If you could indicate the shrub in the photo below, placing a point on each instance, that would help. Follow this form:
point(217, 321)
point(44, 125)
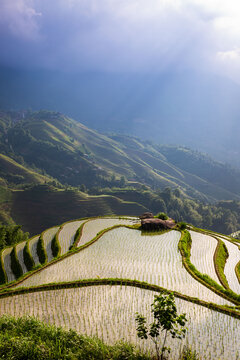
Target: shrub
point(166, 320)
point(162, 216)
point(182, 225)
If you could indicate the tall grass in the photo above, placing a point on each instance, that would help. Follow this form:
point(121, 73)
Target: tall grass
point(28, 338)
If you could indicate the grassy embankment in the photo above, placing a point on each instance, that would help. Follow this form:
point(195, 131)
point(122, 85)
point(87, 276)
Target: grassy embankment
point(28, 338)
point(185, 249)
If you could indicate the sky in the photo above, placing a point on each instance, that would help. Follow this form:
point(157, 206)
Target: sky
point(152, 36)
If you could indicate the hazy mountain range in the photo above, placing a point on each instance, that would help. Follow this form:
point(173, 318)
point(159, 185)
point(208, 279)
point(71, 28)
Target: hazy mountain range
point(196, 110)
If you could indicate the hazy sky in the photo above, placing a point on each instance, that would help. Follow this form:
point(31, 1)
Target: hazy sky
point(122, 35)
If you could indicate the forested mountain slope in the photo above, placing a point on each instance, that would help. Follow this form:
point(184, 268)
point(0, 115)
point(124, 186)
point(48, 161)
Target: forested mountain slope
point(70, 152)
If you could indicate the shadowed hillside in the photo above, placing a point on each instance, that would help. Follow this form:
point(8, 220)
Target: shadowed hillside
point(43, 207)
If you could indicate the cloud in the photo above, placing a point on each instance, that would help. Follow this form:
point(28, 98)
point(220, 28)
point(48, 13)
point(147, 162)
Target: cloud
point(18, 19)
point(119, 35)
point(230, 55)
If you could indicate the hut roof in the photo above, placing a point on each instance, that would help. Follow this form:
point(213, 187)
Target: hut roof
point(156, 223)
point(146, 215)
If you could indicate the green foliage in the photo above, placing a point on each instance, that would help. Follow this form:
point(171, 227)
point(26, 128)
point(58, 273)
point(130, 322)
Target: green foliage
point(182, 225)
point(15, 264)
point(3, 275)
point(166, 320)
point(11, 234)
point(162, 216)
point(188, 354)
point(220, 258)
point(41, 251)
point(222, 217)
point(237, 271)
point(76, 237)
point(28, 338)
point(55, 246)
point(27, 257)
point(122, 181)
point(185, 244)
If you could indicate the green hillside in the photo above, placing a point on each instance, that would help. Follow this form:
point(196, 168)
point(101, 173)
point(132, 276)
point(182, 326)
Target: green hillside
point(53, 168)
point(16, 174)
point(74, 154)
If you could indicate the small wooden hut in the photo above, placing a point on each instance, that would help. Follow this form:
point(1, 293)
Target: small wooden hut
point(151, 224)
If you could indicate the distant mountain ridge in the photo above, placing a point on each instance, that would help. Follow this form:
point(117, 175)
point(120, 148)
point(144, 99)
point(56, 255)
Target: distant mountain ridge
point(51, 145)
point(198, 110)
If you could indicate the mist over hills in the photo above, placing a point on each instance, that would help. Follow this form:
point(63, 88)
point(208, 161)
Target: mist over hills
point(196, 110)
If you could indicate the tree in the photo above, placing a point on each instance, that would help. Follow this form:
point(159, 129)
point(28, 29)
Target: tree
point(162, 216)
point(166, 320)
point(122, 181)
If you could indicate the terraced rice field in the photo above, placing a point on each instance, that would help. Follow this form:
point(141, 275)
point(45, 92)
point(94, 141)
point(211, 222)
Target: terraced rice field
point(67, 233)
point(48, 235)
point(233, 259)
point(109, 313)
point(126, 253)
point(202, 252)
point(7, 264)
point(93, 227)
point(33, 249)
point(19, 249)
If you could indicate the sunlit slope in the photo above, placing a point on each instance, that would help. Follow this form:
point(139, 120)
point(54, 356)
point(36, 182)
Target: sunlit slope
point(15, 173)
point(75, 154)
